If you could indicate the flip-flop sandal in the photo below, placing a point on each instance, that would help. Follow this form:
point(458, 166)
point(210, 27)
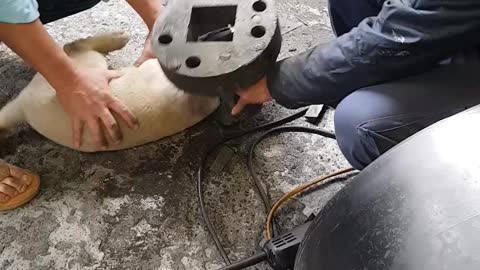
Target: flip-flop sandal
point(23, 197)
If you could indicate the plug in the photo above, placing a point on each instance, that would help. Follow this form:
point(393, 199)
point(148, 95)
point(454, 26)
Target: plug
point(282, 250)
point(315, 114)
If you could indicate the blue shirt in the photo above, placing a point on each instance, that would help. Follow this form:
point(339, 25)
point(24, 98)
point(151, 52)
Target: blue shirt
point(18, 11)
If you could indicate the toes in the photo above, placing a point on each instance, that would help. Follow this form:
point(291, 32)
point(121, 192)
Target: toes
point(27, 180)
point(15, 183)
point(8, 190)
point(4, 198)
point(18, 173)
point(22, 188)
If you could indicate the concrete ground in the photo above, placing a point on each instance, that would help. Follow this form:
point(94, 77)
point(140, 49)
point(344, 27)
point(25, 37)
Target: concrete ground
point(137, 209)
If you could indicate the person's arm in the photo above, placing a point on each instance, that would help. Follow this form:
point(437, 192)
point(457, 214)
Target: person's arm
point(83, 92)
point(406, 38)
point(31, 42)
point(148, 10)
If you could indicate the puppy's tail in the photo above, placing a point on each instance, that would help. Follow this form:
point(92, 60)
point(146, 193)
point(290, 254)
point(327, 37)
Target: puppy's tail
point(104, 43)
point(11, 115)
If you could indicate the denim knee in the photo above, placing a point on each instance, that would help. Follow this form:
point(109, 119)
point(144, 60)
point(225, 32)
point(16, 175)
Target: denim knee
point(354, 145)
point(356, 125)
point(369, 123)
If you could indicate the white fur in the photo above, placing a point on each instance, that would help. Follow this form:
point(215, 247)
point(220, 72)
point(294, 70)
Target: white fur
point(161, 108)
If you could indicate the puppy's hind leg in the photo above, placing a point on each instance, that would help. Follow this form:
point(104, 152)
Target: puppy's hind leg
point(11, 115)
point(103, 44)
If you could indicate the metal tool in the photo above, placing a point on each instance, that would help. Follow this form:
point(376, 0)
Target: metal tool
point(217, 47)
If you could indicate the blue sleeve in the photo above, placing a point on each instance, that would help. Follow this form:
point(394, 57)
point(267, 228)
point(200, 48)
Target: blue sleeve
point(407, 37)
point(18, 11)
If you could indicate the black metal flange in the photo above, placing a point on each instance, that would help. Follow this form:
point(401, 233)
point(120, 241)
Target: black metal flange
point(215, 47)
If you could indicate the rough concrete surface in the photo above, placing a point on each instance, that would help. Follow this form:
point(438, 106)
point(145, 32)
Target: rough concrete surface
point(137, 209)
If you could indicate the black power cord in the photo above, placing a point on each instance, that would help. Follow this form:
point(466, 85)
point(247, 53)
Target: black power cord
point(269, 133)
point(273, 128)
point(257, 258)
point(261, 190)
point(201, 172)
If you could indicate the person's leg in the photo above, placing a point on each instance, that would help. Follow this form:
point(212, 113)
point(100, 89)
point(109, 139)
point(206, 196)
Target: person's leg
point(347, 14)
point(52, 10)
point(372, 120)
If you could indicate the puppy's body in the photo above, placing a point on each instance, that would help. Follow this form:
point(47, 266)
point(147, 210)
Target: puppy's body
point(161, 108)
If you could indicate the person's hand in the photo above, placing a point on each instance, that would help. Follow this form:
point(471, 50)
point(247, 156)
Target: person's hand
point(147, 52)
point(255, 94)
point(83, 92)
point(88, 101)
point(149, 10)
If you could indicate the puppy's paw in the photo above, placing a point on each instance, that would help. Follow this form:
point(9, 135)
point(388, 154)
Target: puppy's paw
point(118, 39)
point(104, 43)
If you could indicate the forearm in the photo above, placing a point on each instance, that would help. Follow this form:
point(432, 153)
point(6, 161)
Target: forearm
point(148, 10)
point(35, 46)
point(326, 74)
point(402, 40)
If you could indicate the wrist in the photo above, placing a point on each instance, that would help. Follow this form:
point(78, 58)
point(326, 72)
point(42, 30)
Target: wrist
point(151, 19)
point(148, 10)
point(264, 89)
point(67, 77)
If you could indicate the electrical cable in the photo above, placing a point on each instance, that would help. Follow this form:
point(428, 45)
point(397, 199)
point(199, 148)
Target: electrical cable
point(201, 173)
point(261, 190)
point(257, 258)
point(273, 128)
point(294, 192)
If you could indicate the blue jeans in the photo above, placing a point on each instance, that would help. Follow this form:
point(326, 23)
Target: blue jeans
point(372, 120)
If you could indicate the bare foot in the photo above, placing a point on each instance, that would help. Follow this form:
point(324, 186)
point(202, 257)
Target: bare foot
point(13, 181)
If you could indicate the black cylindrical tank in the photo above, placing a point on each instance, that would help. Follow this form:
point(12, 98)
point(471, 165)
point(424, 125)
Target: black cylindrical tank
point(417, 207)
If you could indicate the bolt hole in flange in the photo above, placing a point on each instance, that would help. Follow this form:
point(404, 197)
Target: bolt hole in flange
point(259, 6)
point(258, 31)
point(193, 62)
point(165, 39)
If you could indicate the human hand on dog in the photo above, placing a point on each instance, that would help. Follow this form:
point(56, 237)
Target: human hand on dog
point(149, 10)
point(88, 101)
point(255, 94)
point(83, 92)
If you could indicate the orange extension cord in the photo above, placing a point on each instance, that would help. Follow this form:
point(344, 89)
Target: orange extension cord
point(295, 192)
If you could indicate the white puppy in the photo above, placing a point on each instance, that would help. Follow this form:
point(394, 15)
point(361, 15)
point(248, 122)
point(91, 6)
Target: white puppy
point(161, 108)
